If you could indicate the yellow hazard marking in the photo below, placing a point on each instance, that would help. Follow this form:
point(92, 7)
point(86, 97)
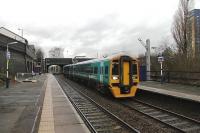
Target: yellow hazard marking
point(47, 120)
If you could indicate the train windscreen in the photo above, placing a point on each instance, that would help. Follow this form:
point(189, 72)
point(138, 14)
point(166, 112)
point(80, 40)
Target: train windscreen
point(134, 69)
point(115, 69)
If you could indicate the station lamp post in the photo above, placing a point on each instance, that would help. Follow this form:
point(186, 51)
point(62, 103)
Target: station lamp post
point(7, 62)
point(21, 31)
point(161, 60)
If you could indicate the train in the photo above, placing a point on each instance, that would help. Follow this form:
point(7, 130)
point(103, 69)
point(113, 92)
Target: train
point(55, 69)
point(118, 75)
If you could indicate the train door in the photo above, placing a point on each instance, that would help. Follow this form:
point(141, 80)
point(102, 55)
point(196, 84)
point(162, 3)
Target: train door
point(101, 72)
point(126, 72)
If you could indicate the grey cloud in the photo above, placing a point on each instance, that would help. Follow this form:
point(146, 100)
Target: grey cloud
point(95, 31)
point(125, 38)
point(105, 35)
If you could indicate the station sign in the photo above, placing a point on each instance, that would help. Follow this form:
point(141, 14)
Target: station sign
point(8, 55)
point(160, 59)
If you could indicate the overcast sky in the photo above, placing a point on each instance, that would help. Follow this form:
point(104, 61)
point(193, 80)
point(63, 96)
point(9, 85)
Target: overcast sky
point(88, 27)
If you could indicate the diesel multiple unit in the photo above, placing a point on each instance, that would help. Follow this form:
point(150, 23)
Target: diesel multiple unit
point(117, 74)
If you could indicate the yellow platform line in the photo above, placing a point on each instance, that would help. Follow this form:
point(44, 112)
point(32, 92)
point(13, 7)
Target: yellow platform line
point(47, 120)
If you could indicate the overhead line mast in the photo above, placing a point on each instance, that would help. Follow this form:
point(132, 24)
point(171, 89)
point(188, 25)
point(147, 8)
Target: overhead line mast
point(147, 54)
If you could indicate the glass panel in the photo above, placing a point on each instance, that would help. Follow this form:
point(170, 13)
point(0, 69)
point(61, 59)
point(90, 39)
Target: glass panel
point(106, 70)
point(115, 69)
point(134, 69)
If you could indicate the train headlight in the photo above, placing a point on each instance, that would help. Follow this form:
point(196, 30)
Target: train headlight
point(115, 78)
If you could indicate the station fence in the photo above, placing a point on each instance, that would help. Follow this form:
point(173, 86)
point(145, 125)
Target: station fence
point(182, 77)
point(24, 76)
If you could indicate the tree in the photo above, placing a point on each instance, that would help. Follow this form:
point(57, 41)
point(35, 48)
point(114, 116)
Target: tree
point(39, 54)
point(179, 27)
point(56, 52)
point(39, 60)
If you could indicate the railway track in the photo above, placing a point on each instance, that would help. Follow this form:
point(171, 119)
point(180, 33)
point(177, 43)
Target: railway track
point(97, 118)
point(174, 120)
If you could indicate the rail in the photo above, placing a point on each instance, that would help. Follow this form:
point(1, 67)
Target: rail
point(174, 120)
point(97, 118)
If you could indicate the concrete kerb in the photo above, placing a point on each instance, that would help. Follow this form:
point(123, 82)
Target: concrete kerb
point(39, 105)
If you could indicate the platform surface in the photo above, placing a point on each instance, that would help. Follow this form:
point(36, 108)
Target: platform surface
point(58, 114)
point(177, 90)
point(19, 106)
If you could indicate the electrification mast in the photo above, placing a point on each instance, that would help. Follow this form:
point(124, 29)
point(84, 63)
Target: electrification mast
point(147, 54)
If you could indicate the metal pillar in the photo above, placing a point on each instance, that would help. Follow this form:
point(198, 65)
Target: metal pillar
point(148, 58)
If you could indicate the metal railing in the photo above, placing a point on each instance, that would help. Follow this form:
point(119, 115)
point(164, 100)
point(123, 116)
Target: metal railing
point(182, 77)
point(25, 76)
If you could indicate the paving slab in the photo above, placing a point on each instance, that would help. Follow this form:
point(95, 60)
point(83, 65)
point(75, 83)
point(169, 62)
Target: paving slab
point(19, 106)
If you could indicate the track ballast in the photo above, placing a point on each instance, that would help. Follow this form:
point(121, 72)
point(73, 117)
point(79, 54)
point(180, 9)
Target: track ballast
point(174, 120)
point(97, 118)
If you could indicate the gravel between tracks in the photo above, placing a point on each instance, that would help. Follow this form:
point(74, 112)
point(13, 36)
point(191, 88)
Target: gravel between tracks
point(181, 106)
point(143, 123)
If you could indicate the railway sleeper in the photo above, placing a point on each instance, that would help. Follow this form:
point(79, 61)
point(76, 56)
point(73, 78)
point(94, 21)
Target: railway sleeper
point(100, 120)
point(83, 103)
point(104, 130)
point(153, 113)
point(192, 129)
point(94, 114)
point(116, 129)
point(90, 111)
point(141, 107)
point(84, 107)
point(179, 123)
point(96, 117)
point(148, 110)
point(107, 127)
point(109, 124)
point(188, 125)
point(161, 116)
point(169, 119)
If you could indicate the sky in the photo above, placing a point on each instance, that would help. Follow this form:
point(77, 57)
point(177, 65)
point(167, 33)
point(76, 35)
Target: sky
point(92, 28)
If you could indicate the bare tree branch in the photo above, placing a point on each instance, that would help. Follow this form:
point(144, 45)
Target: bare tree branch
point(179, 27)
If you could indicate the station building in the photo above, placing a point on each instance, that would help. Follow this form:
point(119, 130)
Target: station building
point(22, 55)
point(193, 31)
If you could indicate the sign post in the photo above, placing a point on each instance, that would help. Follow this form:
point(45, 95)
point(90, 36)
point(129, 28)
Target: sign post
point(160, 60)
point(7, 63)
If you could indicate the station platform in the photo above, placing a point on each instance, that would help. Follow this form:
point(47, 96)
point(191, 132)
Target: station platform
point(58, 114)
point(20, 105)
point(176, 90)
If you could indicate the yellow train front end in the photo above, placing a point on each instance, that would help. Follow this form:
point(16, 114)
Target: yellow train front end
point(124, 76)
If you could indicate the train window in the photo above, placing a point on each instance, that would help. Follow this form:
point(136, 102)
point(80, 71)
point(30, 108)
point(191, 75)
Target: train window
point(95, 70)
point(134, 69)
point(101, 70)
point(106, 70)
point(115, 69)
point(89, 70)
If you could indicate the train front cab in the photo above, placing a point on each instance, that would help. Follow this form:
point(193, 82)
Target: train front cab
point(123, 77)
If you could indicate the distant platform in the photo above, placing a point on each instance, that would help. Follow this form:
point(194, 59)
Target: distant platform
point(176, 90)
